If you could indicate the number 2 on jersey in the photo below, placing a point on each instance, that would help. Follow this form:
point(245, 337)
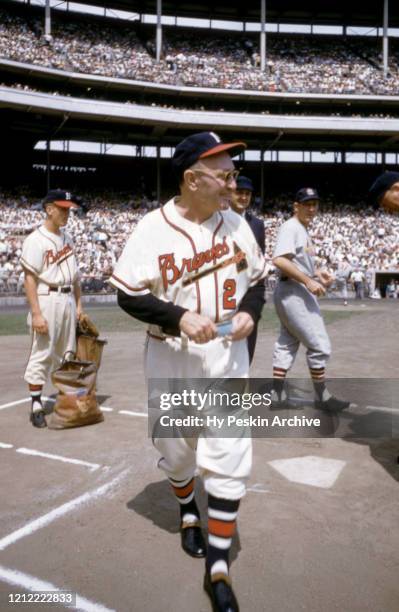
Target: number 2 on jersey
point(229, 289)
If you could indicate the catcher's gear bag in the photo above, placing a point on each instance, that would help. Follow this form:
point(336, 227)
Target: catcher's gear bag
point(76, 403)
point(89, 347)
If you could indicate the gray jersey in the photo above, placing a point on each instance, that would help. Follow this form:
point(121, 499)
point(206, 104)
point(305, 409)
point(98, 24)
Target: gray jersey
point(343, 272)
point(293, 241)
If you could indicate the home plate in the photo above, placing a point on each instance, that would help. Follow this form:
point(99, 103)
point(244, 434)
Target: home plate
point(310, 470)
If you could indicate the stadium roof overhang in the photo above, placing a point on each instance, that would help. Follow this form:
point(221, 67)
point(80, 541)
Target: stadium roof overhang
point(43, 116)
point(327, 12)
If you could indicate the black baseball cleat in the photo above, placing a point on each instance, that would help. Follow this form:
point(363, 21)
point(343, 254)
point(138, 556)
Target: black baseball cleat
point(192, 540)
point(280, 401)
point(37, 418)
point(333, 404)
point(220, 593)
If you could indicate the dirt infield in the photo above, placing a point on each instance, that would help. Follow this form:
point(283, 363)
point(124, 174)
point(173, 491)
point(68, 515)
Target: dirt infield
point(86, 510)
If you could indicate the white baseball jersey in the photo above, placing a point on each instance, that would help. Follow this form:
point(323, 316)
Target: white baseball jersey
point(293, 239)
point(357, 276)
point(50, 257)
point(206, 268)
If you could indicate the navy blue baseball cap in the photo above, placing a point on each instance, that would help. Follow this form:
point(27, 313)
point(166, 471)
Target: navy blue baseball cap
point(306, 194)
point(200, 146)
point(243, 182)
point(59, 197)
point(382, 184)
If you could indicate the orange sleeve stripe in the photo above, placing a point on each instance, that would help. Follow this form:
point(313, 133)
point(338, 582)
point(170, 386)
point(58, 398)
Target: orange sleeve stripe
point(28, 266)
point(119, 280)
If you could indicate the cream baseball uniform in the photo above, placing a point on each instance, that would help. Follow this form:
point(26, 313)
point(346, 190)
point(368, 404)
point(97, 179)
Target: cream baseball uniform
point(163, 256)
point(51, 259)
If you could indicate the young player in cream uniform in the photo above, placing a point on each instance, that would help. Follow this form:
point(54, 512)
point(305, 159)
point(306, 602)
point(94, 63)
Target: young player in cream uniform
point(53, 292)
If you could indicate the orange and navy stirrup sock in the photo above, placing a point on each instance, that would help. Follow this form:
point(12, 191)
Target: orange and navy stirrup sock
point(222, 515)
point(184, 492)
point(318, 378)
point(36, 393)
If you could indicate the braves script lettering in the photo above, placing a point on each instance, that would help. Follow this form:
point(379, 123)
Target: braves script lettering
point(171, 272)
point(50, 257)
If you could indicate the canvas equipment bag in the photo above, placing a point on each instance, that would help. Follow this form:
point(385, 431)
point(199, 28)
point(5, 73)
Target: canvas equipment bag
point(76, 403)
point(89, 347)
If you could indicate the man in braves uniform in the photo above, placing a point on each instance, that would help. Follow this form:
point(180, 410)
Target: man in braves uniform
point(295, 299)
point(53, 292)
point(240, 204)
point(188, 267)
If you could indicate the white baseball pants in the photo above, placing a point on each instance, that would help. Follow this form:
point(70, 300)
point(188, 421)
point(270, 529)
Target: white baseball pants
point(223, 463)
point(47, 350)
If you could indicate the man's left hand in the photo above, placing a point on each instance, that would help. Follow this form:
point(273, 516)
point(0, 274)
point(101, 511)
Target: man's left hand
point(243, 325)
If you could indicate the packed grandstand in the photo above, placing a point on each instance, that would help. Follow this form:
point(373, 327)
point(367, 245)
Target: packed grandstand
point(297, 64)
point(346, 231)
point(366, 239)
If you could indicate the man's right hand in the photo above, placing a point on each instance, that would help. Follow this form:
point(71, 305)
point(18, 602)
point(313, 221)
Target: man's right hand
point(315, 288)
point(39, 324)
point(198, 328)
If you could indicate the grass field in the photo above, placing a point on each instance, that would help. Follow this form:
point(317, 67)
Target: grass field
point(113, 319)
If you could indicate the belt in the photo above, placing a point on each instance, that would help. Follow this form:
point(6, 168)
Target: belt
point(183, 339)
point(60, 289)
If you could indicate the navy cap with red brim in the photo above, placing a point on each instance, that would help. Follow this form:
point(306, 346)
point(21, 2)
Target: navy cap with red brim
point(61, 198)
point(201, 146)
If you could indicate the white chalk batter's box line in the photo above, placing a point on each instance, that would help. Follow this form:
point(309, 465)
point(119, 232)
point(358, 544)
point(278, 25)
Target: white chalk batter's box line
point(35, 453)
point(27, 582)
point(52, 401)
point(40, 454)
point(144, 415)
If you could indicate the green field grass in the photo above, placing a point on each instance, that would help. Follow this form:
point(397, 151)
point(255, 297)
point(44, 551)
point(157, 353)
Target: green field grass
point(113, 319)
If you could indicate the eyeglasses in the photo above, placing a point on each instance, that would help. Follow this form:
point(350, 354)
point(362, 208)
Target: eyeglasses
point(225, 176)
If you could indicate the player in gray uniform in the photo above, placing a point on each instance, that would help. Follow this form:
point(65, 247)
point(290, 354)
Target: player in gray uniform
point(343, 272)
point(295, 299)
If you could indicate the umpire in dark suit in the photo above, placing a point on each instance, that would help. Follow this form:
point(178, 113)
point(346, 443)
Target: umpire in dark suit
point(240, 204)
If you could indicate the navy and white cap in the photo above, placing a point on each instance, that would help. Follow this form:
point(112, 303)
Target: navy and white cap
point(382, 184)
point(59, 197)
point(200, 146)
point(243, 182)
point(306, 194)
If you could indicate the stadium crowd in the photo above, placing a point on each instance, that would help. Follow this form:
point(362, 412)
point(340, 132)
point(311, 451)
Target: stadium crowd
point(302, 64)
point(363, 239)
